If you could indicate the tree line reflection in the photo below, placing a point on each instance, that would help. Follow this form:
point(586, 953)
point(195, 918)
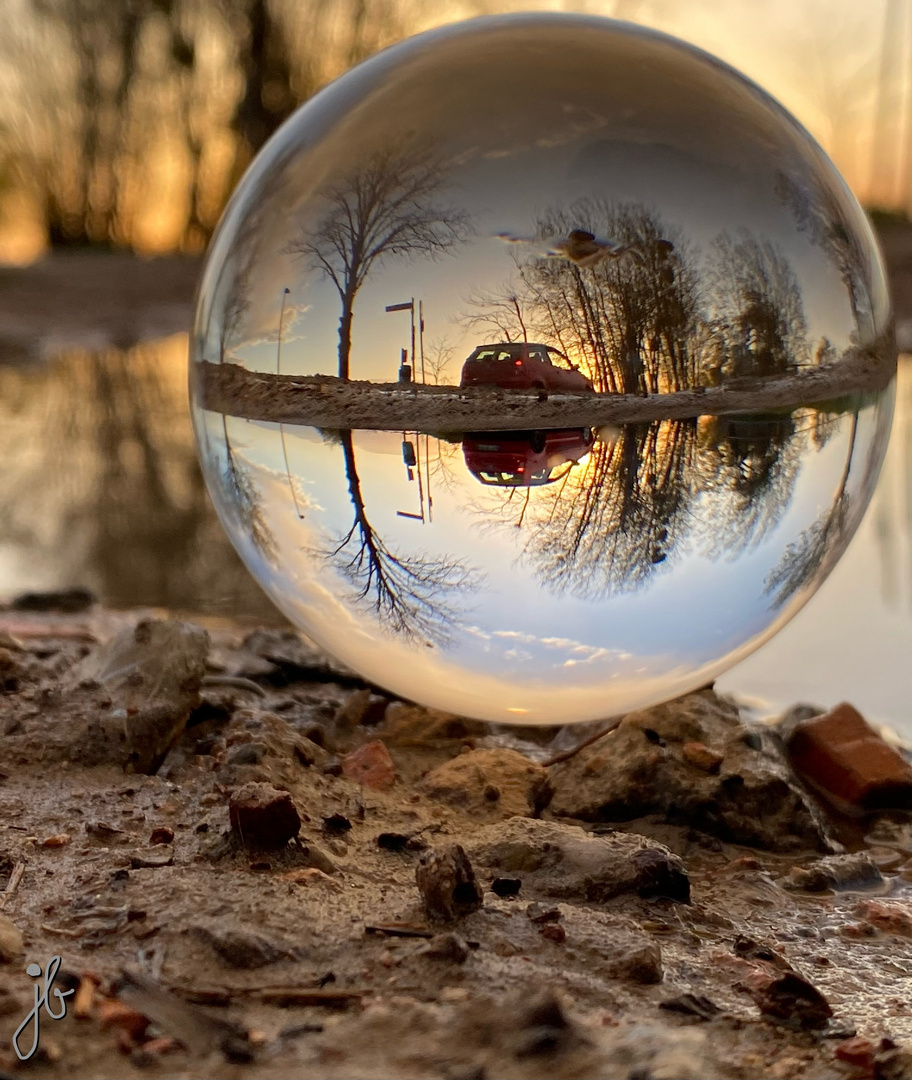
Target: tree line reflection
point(610, 513)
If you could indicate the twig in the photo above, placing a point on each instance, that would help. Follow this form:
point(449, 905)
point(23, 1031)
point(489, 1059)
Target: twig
point(61, 931)
point(13, 884)
point(566, 754)
point(234, 682)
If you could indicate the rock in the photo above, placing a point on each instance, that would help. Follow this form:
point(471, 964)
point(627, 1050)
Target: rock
point(641, 769)
point(660, 1053)
point(493, 783)
point(789, 997)
point(152, 673)
point(857, 1051)
point(857, 871)
point(251, 753)
point(447, 884)
point(240, 948)
point(11, 948)
point(544, 1027)
point(694, 1005)
point(407, 724)
point(564, 861)
point(448, 946)
point(634, 960)
point(295, 658)
point(371, 766)
point(889, 917)
point(506, 887)
point(164, 834)
point(840, 755)
point(57, 840)
point(14, 670)
point(153, 860)
point(553, 932)
point(361, 707)
point(263, 816)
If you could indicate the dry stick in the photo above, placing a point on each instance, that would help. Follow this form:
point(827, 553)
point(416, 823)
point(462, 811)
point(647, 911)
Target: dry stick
point(566, 754)
point(233, 682)
point(13, 884)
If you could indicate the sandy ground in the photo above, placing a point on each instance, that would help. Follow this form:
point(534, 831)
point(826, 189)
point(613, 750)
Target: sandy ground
point(656, 947)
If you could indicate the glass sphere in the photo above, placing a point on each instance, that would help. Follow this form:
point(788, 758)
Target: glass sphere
point(542, 368)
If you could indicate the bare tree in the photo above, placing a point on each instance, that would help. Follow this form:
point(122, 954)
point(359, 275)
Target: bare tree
point(498, 312)
point(757, 311)
point(385, 210)
point(410, 595)
point(437, 357)
point(626, 320)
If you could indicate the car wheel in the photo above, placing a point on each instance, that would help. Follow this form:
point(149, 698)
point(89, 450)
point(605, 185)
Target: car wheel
point(538, 440)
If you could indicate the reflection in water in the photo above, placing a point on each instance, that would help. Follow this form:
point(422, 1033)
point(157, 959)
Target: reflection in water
point(102, 486)
point(409, 594)
point(525, 458)
point(562, 571)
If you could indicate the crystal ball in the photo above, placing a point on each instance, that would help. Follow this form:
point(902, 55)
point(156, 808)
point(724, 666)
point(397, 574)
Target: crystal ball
point(542, 368)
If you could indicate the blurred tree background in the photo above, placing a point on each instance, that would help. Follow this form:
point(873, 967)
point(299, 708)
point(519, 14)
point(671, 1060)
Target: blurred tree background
point(127, 122)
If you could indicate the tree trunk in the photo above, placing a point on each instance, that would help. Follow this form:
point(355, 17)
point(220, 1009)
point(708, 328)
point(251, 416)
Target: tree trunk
point(345, 326)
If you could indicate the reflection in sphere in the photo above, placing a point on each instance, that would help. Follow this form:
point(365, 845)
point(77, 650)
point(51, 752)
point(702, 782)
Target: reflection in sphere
point(542, 368)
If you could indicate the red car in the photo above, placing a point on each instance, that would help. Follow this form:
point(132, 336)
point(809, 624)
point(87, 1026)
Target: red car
point(524, 458)
point(522, 366)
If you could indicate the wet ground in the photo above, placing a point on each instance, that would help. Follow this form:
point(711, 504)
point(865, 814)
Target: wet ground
point(202, 943)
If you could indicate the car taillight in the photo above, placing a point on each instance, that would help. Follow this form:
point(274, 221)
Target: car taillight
point(520, 470)
point(517, 363)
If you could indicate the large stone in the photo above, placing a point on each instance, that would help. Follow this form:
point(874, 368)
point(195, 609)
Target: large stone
point(152, 673)
point(565, 861)
point(647, 766)
point(490, 783)
point(11, 948)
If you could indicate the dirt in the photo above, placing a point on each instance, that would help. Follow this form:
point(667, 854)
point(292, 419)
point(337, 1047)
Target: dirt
point(431, 914)
point(325, 402)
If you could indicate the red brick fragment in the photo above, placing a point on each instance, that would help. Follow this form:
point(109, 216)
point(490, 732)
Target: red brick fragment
point(843, 757)
point(117, 1014)
point(858, 1051)
point(370, 765)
